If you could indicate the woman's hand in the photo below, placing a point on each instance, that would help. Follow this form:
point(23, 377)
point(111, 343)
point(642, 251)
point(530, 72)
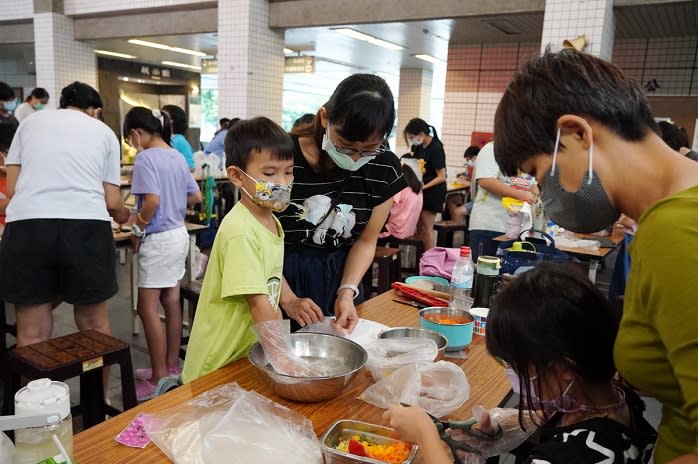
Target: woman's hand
point(346, 317)
point(303, 310)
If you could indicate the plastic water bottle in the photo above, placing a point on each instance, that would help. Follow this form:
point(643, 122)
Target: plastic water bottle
point(462, 281)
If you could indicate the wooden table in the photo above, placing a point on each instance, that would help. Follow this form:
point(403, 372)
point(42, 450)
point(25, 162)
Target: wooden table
point(488, 387)
point(591, 255)
point(123, 240)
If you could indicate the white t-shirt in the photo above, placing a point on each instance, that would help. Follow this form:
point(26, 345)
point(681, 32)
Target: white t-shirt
point(65, 155)
point(488, 212)
point(24, 110)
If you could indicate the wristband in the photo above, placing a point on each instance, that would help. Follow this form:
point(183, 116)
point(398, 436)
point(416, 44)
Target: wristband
point(351, 287)
point(140, 218)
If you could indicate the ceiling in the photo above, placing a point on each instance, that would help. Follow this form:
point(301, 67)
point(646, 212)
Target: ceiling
point(340, 54)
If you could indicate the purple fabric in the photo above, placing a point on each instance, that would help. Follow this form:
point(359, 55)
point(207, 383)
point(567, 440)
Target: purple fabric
point(163, 172)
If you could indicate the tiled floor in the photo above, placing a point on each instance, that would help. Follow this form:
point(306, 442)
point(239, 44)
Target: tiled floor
point(120, 315)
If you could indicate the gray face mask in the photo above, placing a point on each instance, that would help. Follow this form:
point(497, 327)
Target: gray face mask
point(585, 211)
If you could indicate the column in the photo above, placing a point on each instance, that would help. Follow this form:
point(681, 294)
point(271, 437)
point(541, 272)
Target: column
point(414, 100)
point(250, 61)
point(60, 59)
point(567, 19)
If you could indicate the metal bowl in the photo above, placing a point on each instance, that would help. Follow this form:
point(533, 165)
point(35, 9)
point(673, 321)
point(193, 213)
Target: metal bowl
point(414, 332)
point(338, 357)
point(459, 336)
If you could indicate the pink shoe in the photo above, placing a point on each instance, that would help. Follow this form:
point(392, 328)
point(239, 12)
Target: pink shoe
point(147, 374)
point(145, 390)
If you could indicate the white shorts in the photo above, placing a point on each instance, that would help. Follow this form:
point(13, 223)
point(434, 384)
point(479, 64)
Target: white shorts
point(162, 257)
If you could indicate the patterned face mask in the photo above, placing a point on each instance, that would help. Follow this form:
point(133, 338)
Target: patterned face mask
point(585, 211)
point(269, 194)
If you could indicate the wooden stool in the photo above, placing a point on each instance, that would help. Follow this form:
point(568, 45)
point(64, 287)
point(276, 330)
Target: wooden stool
point(190, 293)
point(81, 354)
point(388, 262)
point(404, 244)
point(445, 230)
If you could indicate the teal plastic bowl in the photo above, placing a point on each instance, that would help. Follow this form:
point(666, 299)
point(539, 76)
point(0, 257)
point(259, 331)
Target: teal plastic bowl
point(459, 336)
point(436, 280)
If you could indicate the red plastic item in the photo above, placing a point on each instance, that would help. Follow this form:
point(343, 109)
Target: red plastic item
point(420, 296)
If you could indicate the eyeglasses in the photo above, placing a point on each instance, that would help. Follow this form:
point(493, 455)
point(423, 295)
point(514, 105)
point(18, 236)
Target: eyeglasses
point(352, 151)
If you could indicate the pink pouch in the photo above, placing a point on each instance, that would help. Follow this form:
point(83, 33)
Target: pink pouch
point(134, 434)
point(438, 262)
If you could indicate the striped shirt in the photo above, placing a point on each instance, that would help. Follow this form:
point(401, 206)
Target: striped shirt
point(331, 210)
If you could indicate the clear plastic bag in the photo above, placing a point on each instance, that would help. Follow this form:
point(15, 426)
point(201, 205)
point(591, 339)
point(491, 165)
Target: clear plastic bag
point(275, 338)
point(389, 354)
point(439, 388)
point(7, 449)
point(233, 422)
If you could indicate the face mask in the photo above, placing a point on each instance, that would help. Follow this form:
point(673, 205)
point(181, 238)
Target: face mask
point(340, 159)
point(39, 106)
point(586, 210)
point(269, 195)
point(470, 163)
point(417, 141)
point(10, 105)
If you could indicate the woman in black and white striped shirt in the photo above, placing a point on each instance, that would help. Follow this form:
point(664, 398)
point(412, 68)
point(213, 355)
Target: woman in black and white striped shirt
point(344, 179)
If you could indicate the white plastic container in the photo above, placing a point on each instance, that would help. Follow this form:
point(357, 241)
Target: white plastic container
point(36, 444)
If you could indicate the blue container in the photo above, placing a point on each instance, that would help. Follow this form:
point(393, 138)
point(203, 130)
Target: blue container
point(436, 280)
point(459, 336)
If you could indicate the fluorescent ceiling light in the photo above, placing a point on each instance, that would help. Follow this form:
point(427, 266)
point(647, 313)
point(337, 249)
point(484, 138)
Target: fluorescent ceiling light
point(368, 38)
point(429, 58)
point(288, 51)
point(186, 51)
point(118, 55)
point(182, 65)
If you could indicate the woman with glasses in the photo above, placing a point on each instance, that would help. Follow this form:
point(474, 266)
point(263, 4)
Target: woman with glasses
point(555, 330)
point(426, 145)
point(344, 180)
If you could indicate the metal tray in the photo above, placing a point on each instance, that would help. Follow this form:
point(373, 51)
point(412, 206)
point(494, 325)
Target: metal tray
point(343, 429)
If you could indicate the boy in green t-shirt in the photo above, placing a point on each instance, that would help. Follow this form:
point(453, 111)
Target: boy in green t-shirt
point(241, 289)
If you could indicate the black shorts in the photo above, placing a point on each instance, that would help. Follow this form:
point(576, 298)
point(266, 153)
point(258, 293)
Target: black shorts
point(434, 198)
point(43, 259)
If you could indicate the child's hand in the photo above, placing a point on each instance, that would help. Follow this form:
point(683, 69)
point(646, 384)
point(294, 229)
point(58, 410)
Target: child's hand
point(412, 424)
point(304, 311)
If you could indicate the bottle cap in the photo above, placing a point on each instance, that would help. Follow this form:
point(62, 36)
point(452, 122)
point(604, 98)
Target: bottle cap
point(465, 251)
point(43, 396)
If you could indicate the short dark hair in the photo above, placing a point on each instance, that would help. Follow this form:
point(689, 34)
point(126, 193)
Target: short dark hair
point(254, 135)
point(417, 125)
point(39, 93)
point(223, 122)
point(178, 118)
point(552, 313)
point(6, 92)
point(80, 96)
point(147, 120)
point(673, 135)
point(7, 133)
point(361, 106)
point(566, 82)
point(471, 152)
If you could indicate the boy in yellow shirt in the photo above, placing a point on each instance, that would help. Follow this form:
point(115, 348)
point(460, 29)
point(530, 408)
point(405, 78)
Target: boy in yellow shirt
point(241, 289)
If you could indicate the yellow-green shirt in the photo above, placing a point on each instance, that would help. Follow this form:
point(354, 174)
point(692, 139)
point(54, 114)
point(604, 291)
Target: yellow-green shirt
point(246, 259)
point(657, 346)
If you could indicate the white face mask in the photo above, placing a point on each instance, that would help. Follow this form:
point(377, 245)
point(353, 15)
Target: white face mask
point(417, 141)
point(340, 159)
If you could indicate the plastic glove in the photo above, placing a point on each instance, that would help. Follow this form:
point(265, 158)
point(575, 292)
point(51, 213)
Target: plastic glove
point(486, 436)
point(275, 338)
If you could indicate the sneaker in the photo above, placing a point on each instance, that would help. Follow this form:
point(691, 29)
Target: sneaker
point(145, 390)
point(147, 374)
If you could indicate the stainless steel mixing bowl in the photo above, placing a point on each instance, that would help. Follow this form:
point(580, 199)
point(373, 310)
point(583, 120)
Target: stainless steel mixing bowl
point(339, 359)
point(415, 332)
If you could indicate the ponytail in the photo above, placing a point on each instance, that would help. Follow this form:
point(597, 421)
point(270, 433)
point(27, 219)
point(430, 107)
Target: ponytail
point(150, 121)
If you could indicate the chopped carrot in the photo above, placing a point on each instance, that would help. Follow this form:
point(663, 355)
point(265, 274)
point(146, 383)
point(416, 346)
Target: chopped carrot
point(395, 452)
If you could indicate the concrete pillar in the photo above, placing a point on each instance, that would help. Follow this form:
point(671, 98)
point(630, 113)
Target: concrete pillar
point(414, 99)
point(250, 61)
point(60, 59)
point(567, 19)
